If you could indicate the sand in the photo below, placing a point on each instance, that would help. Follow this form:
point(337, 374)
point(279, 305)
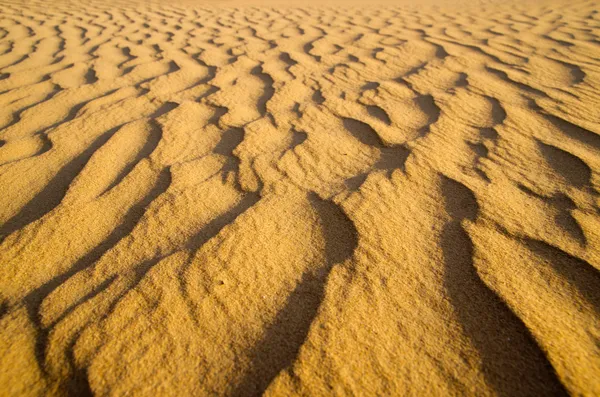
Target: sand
point(299, 198)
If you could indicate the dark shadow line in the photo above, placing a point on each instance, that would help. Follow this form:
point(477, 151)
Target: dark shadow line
point(511, 360)
point(283, 338)
point(54, 191)
point(34, 300)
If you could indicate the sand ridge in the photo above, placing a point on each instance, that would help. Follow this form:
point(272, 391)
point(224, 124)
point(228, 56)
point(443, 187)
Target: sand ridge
point(202, 199)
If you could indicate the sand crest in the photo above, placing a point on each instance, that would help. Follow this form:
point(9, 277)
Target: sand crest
point(263, 197)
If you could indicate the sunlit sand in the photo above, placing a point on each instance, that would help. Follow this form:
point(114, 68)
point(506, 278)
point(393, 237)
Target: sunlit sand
point(299, 198)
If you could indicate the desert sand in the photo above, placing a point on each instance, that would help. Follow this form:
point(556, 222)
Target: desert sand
point(299, 198)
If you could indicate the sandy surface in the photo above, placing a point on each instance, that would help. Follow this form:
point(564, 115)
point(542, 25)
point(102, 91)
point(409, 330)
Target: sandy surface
point(235, 198)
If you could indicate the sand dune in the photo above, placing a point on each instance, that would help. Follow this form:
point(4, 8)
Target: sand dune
point(352, 198)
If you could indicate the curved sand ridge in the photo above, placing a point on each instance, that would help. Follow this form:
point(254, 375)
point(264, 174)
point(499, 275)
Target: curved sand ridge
point(350, 201)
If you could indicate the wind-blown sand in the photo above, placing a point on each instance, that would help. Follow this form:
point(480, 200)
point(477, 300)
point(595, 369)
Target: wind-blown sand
point(236, 198)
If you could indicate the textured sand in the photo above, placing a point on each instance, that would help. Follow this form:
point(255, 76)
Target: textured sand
point(235, 198)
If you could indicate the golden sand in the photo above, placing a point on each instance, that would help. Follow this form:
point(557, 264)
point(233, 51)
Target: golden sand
point(353, 198)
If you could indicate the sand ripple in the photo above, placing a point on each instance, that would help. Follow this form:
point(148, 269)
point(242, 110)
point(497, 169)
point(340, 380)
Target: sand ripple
point(299, 201)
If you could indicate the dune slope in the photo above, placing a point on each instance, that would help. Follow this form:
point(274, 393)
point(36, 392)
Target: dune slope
point(203, 198)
